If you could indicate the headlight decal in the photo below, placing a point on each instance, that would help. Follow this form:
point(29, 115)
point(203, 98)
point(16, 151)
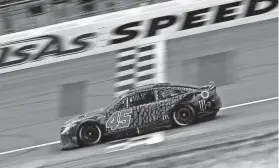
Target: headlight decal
point(205, 94)
point(68, 128)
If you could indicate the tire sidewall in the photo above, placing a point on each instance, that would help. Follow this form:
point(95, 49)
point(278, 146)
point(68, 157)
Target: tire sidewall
point(177, 123)
point(79, 136)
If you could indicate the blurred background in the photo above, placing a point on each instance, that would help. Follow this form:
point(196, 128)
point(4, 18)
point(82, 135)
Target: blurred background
point(19, 15)
point(34, 102)
point(43, 97)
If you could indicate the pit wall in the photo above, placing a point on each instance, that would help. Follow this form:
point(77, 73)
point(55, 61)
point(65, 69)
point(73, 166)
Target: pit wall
point(35, 101)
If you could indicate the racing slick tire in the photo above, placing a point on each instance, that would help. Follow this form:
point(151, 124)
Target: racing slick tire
point(184, 115)
point(89, 134)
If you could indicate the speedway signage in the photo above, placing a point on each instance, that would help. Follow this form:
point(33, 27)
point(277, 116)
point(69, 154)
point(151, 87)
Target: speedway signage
point(37, 48)
point(207, 16)
point(138, 26)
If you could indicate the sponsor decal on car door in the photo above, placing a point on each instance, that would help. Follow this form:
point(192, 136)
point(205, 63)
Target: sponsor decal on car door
point(120, 119)
point(145, 114)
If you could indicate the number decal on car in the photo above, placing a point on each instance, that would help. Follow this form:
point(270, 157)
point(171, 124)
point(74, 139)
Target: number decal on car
point(112, 122)
point(119, 119)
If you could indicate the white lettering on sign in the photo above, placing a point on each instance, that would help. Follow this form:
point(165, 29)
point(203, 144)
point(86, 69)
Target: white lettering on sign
point(166, 22)
point(178, 22)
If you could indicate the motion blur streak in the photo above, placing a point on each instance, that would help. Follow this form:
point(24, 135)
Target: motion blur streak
point(249, 103)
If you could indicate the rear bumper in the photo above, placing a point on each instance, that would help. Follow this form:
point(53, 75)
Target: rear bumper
point(217, 103)
point(68, 142)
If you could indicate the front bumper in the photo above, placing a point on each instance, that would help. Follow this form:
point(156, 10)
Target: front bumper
point(68, 142)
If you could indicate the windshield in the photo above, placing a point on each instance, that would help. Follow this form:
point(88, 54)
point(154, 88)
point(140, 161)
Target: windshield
point(117, 99)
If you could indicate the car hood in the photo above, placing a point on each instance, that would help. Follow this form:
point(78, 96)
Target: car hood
point(94, 115)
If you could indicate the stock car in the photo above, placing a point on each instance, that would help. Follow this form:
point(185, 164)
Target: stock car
point(142, 110)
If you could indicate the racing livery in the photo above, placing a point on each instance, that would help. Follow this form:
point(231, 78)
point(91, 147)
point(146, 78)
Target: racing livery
point(142, 110)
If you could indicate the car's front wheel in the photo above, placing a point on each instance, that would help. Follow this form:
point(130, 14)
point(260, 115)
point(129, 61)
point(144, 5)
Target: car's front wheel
point(184, 115)
point(89, 134)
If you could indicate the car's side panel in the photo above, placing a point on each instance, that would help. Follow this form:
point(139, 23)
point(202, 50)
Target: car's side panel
point(141, 115)
point(119, 119)
point(164, 106)
point(153, 112)
point(145, 114)
point(169, 103)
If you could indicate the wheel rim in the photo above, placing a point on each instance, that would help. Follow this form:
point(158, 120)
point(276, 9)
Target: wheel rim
point(183, 116)
point(90, 134)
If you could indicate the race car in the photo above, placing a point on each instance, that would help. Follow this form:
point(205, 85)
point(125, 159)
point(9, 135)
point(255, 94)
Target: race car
point(142, 110)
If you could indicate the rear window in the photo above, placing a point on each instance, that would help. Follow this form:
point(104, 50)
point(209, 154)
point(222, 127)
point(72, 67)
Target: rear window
point(165, 93)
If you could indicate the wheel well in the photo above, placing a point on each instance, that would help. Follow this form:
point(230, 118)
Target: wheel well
point(179, 106)
point(89, 123)
point(183, 105)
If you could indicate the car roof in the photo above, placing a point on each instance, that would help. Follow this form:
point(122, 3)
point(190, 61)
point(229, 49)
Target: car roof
point(148, 86)
point(152, 86)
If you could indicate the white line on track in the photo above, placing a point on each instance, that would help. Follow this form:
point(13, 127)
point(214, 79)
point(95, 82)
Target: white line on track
point(57, 142)
point(195, 132)
point(249, 103)
point(30, 147)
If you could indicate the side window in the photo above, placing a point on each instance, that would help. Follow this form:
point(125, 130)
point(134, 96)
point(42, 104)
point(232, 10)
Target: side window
point(122, 104)
point(141, 98)
point(178, 91)
point(165, 93)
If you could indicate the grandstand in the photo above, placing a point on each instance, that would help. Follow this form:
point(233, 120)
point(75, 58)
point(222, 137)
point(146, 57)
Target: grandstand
point(20, 15)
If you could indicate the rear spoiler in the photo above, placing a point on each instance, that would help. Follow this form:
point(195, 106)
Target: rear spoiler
point(211, 86)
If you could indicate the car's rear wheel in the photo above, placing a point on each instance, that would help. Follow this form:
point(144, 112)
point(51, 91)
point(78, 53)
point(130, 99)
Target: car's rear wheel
point(89, 134)
point(184, 115)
